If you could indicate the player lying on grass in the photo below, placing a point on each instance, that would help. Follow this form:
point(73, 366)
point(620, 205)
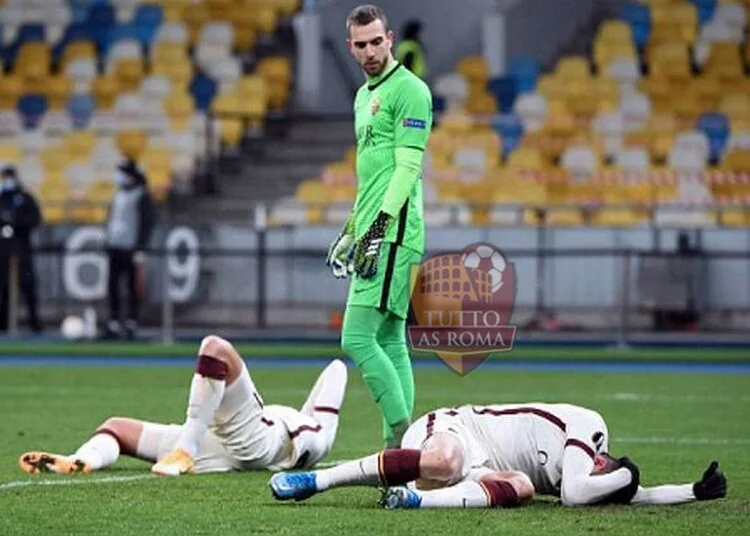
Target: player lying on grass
point(228, 427)
point(500, 455)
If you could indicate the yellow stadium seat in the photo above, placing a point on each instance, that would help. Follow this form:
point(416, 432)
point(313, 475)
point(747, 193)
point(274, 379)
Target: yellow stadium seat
point(606, 92)
point(475, 69)
point(243, 21)
point(131, 143)
point(674, 23)
point(735, 105)
point(275, 69)
point(179, 108)
point(129, 73)
point(551, 87)
point(253, 86)
point(54, 159)
point(482, 104)
point(287, 7)
point(58, 91)
point(219, 9)
point(525, 158)
point(707, 90)
point(736, 160)
point(173, 9)
point(105, 88)
point(79, 49)
point(33, 56)
point(169, 52)
point(724, 62)
point(11, 88)
point(157, 164)
point(80, 144)
point(573, 68)
point(312, 192)
point(614, 31)
point(195, 17)
point(266, 21)
point(659, 91)
point(670, 60)
point(456, 123)
point(228, 109)
point(10, 153)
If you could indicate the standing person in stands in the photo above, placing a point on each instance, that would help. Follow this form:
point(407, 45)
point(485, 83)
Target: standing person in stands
point(131, 217)
point(384, 235)
point(410, 52)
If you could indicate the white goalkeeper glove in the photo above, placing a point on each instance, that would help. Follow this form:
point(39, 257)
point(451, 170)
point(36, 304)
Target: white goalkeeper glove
point(338, 254)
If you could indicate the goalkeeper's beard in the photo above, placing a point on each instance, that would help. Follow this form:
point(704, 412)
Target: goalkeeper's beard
point(374, 68)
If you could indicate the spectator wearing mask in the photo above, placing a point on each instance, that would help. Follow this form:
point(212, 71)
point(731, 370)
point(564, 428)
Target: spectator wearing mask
point(131, 216)
point(19, 216)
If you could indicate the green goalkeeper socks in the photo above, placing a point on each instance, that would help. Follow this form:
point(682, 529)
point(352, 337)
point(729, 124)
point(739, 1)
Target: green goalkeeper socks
point(392, 339)
point(368, 339)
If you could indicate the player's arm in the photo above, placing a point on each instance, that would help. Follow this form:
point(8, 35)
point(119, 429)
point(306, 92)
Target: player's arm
point(712, 485)
point(580, 487)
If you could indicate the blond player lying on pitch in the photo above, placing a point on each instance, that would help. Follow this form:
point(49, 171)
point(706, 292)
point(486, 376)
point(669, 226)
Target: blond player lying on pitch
point(500, 456)
point(227, 428)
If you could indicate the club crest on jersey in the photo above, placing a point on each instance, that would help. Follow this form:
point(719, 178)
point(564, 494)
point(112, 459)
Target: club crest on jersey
point(374, 105)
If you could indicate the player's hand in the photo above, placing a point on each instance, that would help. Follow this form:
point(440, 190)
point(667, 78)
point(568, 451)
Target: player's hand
point(713, 485)
point(366, 254)
point(338, 254)
point(625, 495)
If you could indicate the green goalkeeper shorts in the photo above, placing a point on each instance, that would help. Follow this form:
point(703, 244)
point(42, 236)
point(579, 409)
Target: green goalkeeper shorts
point(390, 288)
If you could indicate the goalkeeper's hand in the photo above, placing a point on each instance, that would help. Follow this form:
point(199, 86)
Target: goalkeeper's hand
point(339, 253)
point(713, 484)
point(366, 253)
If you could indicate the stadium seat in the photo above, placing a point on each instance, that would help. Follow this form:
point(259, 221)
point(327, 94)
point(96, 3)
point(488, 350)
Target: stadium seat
point(716, 127)
point(32, 108)
point(58, 91)
point(525, 71)
point(80, 108)
point(639, 18)
point(511, 132)
point(504, 90)
point(532, 109)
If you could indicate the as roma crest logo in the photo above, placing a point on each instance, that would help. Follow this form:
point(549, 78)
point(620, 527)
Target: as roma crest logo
point(374, 105)
point(462, 305)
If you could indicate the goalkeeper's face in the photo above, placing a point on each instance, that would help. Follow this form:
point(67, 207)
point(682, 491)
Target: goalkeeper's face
point(371, 45)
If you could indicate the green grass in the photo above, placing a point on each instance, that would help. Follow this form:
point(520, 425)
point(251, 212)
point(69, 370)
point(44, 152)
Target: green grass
point(330, 350)
point(671, 424)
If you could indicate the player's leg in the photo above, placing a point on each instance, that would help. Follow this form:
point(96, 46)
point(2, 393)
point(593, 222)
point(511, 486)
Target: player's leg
point(325, 399)
point(359, 342)
point(115, 436)
point(217, 367)
point(440, 460)
point(392, 339)
point(503, 489)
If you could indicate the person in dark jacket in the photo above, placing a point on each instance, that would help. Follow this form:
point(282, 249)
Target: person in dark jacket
point(410, 52)
point(19, 216)
point(131, 217)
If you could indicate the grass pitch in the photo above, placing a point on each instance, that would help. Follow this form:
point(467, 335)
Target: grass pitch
point(672, 425)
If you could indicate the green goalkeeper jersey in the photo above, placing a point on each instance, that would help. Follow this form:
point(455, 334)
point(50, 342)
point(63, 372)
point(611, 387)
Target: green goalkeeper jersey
point(391, 111)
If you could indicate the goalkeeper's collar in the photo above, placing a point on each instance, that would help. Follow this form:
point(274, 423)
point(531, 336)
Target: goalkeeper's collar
point(376, 81)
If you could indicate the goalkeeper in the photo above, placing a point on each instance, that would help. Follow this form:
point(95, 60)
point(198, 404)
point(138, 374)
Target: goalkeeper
point(384, 235)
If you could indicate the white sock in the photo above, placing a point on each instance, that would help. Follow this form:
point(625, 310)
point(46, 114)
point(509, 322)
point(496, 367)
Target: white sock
point(362, 472)
point(467, 494)
point(205, 397)
point(102, 450)
point(324, 401)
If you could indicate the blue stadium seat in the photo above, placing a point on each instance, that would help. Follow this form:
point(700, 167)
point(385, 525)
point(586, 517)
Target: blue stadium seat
point(705, 9)
point(526, 72)
point(638, 18)
point(117, 33)
point(203, 90)
point(74, 32)
point(147, 18)
point(100, 20)
point(80, 108)
point(505, 91)
point(716, 127)
point(510, 129)
point(32, 107)
point(438, 104)
point(26, 34)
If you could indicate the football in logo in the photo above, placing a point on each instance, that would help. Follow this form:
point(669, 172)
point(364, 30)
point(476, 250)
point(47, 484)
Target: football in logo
point(489, 260)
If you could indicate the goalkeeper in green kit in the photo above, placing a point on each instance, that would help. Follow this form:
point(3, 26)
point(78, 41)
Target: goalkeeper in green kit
point(384, 236)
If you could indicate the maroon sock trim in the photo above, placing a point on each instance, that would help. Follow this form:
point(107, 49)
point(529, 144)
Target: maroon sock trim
point(398, 466)
point(112, 433)
point(326, 409)
point(210, 367)
point(500, 492)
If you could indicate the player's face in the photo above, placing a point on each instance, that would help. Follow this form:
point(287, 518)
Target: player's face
point(371, 46)
point(603, 464)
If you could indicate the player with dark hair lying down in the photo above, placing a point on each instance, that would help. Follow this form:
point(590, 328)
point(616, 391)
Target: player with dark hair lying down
point(500, 456)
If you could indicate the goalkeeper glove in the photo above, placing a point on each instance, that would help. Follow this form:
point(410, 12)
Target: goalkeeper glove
point(713, 484)
point(625, 494)
point(338, 253)
point(366, 254)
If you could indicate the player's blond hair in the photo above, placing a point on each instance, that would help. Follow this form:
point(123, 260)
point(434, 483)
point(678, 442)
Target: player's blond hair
point(364, 15)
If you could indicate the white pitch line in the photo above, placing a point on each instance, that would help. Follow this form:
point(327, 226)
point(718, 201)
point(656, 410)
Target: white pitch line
point(685, 440)
point(71, 482)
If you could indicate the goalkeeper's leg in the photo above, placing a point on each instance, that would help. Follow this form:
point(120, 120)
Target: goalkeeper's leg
point(392, 339)
point(359, 342)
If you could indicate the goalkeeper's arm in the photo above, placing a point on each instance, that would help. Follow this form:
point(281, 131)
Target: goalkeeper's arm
point(408, 171)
